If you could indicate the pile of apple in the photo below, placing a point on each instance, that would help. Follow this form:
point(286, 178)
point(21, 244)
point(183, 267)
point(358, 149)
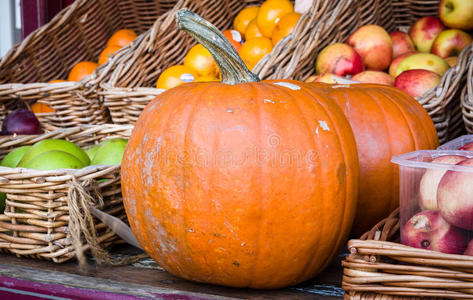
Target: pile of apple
point(413, 61)
point(445, 223)
point(53, 154)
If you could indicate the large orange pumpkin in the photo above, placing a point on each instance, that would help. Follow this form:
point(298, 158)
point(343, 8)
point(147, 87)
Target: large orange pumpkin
point(243, 183)
point(386, 122)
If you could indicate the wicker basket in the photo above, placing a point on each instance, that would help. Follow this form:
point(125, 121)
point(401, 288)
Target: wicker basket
point(467, 98)
point(127, 92)
point(79, 32)
point(443, 102)
point(47, 213)
point(379, 267)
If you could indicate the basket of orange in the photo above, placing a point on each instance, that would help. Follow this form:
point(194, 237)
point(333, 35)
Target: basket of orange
point(262, 32)
point(49, 71)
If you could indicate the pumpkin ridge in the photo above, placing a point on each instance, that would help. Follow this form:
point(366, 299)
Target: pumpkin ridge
point(346, 159)
point(185, 207)
point(431, 142)
point(393, 186)
point(314, 143)
point(308, 266)
point(255, 91)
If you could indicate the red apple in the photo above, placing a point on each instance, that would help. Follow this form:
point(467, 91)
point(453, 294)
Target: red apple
point(424, 31)
point(467, 147)
point(455, 196)
point(374, 45)
point(374, 77)
point(397, 61)
point(325, 78)
point(417, 81)
point(402, 43)
point(430, 181)
point(450, 43)
point(339, 59)
point(428, 230)
point(457, 13)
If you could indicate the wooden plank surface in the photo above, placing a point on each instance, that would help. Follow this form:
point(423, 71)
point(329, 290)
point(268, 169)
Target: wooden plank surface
point(144, 279)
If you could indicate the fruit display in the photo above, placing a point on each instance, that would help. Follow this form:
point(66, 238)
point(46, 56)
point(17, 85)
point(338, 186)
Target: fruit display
point(256, 30)
point(385, 122)
point(436, 198)
point(405, 60)
point(227, 193)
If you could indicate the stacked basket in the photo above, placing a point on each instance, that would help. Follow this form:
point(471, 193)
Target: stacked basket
point(77, 33)
point(129, 87)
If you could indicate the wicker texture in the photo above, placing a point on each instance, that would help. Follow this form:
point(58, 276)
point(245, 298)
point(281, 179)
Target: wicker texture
point(326, 22)
point(79, 32)
point(379, 267)
point(38, 219)
point(137, 70)
point(467, 98)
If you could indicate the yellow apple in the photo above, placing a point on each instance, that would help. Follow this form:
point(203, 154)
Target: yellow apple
point(425, 61)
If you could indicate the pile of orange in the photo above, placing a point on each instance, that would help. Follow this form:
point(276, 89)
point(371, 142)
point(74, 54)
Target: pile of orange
point(256, 29)
point(82, 69)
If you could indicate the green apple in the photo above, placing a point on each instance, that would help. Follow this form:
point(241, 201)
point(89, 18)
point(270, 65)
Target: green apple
point(53, 160)
point(110, 152)
point(53, 144)
point(424, 61)
point(11, 159)
point(91, 150)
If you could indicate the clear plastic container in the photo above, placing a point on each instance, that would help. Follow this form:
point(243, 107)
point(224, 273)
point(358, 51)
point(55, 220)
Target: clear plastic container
point(458, 143)
point(436, 200)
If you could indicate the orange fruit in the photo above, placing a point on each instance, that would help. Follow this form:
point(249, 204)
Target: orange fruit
point(174, 76)
point(270, 13)
point(253, 50)
point(106, 53)
point(201, 61)
point(234, 37)
point(81, 70)
point(206, 78)
point(57, 81)
point(241, 21)
point(121, 38)
point(252, 31)
point(284, 27)
point(38, 107)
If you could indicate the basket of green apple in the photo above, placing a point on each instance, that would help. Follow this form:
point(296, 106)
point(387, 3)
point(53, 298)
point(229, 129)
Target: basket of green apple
point(51, 186)
point(421, 47)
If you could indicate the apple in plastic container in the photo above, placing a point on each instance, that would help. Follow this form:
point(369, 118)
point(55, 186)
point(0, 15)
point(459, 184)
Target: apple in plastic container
point(467, 147)
point(455, 196)
point(428, 230)
point(431, 178)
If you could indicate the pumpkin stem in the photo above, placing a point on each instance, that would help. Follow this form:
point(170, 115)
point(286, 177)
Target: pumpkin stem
point(231, 66)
